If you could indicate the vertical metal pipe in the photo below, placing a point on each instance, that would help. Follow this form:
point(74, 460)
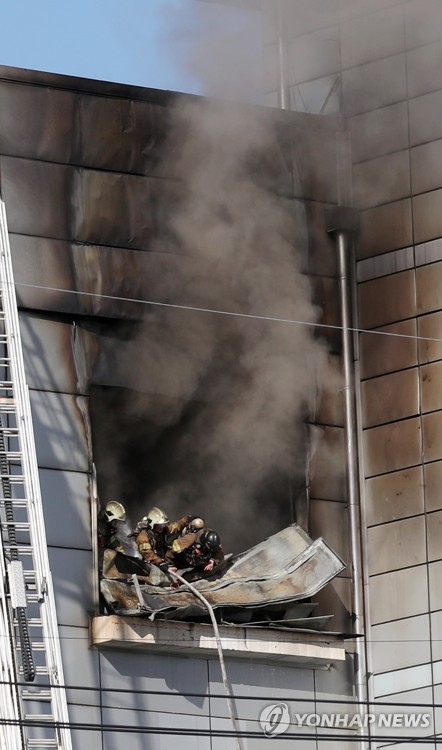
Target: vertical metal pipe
point(343, 241)
point(283, 86)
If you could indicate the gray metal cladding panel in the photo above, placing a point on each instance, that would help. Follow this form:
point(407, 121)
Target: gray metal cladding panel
point(66, 508)
point(434, 535)
point(379, 132)
point(400, 644)
point(436, 632)
point(382, 180)
point(426, 167)
point(72, 573)
point(335, 683)
point(390, 397)
point(149, 730)
point(172, 676)
point(38, 196)
point(381, 353)
point(427, 214)
point(112, 209)
point(429, 289)
point(330, 520)
point(80, 665)
point(423, 64)
point(411, 678)
point(431, 386)
point(120, 134)
point(400, 594)
point(432, 436)
point(425, 118)
point(392, 446)
point(85, 716)
point(393, 496)
point(387, 300)
point(327, 469)
point(314, 55)
point(433, 483)
point(372, 37)
point(39, 262)
point(322, 255)
point(435, 582)
point(423, 22)
point(374, 85)
point(315, 155)
point(430, 327)
point(47, 350)
point(396, 545)
point(385, 228)
point(59, 429)
point(37, 122)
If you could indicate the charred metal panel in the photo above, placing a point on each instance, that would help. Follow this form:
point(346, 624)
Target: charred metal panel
point(392, 446)
point(331, 519)
point(390, 397)
point(327, 470)
point(315, 160)
point(112, 209)
point(387, 300)
point(431, 386)
point(400, 594)
point(66, 508)
point(381, 353)
point(37, 196)
point(37, 122)
point(119, 134)
point(427, 216)
point(432, 436)
point(48, 355)
point(396, 545)
point(430, 326)
point(404, 643)
point(382, 180)
point(335, 599)
point(392, 496)
point(433, 483)
point(322, 256)
point(59, 429)
point(429, 288)
point(385, 228)
point(330, 409)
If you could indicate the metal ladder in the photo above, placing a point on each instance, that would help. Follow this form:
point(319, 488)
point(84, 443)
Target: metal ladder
point(32, 717)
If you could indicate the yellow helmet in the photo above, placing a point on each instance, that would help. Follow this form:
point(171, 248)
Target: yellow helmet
point(156, 517)
point(115, 511)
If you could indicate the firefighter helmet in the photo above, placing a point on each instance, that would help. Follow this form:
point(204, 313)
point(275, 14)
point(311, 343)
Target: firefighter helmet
point(115, 511)
point(196, 523)
point(210, 540)
point(157, 517)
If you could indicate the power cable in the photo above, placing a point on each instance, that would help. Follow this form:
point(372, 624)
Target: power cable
point(228, 313)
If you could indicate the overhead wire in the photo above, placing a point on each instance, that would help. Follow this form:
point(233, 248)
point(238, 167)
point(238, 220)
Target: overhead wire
point(227, 313)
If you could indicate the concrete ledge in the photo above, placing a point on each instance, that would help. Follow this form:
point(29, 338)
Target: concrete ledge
point(198, 640)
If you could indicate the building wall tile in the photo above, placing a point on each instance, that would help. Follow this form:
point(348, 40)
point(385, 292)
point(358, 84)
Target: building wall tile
point(434, 535)
point(432, 436)
point(66, 508)
point(435, 587)
point(372, 37)
point(381, 354)
point(412, 678)
point(423, 22)
point(428, 252)
point(393, 496)
point(400, 594)
point(385, 264)
point(379, 132)
point(390, 397)
point(399, 644)
point(313, 55)
point(426, 167)
point(436, 644)
point(433, 483)
point(428, 291)
point(423, 65)
point(382, 180)
point(385, 228)
point(392, 447)
point(374, 85)
point(427, 214)
point(431, 386)
point(396, 545)
point(387, 300)
point(425, 118)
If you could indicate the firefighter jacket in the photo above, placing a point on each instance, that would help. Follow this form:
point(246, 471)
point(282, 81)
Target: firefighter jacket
point(187, 552)
point(153, 545)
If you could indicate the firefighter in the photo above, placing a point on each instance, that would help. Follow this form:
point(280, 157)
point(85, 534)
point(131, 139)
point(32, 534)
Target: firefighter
point(108, 519)
point(200, 550)
point(153, 535)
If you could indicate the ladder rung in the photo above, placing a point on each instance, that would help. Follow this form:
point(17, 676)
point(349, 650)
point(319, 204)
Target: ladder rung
point(42, 743)
point(36, 695)
point(39, 717)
